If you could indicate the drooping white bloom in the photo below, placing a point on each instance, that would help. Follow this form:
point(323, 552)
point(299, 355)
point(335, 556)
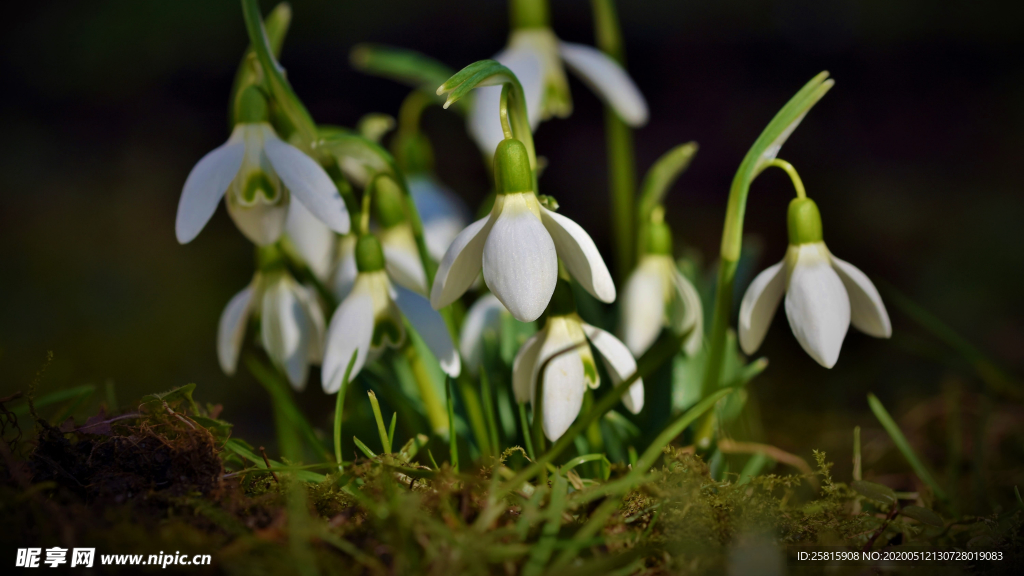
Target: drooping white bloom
point(823, 294)
point(257, 174)
point(370, 319)
point(442, 212)
point(536, 56)
point(518, 246)
point(291, 325)
point(563, 351)
point(657, 295)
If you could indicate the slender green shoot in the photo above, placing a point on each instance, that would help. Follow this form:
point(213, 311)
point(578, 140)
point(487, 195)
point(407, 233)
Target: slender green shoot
point(904, 447)
point(385, 441)
point(524, 425)
point(453, 442)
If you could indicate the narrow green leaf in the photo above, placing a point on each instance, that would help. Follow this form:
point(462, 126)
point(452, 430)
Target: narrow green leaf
point(280, 394)
point(385, 442)
point(453, 443)
point(276, 24)
point(923, 515)
point(408, 67)
point(364, 448)
point(876, 492)
point(274, 76)
point(904, 447)
point(661, 175)
point(391, 429)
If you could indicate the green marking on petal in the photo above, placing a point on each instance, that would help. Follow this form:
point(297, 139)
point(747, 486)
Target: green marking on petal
point(589, 367)
point(259, 184)
point(386, 331)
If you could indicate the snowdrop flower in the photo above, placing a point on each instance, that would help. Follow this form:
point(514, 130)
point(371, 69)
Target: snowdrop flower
point(566, 341)
point(823, 293)
point(536, 56)
point(370, 319)
point(291, 322)
point(518, 246)
point(657, 295)
point(257, 173)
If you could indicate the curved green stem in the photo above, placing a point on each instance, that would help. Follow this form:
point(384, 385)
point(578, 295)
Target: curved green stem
point(798, 184)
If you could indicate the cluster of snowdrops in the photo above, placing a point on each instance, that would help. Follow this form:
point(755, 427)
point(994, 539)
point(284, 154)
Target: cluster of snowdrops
point(384, 247)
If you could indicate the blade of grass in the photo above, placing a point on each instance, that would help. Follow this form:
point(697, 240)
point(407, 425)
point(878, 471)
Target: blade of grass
point(391, 429)
point(994, 378)
point(385, 442)
point(453, 443)
point(279, 392)
point(524, 425)
point(339, 409)
point(364, 448)
point(53, 398)
point(904, 447)
point(488, 407)
point(69, 410)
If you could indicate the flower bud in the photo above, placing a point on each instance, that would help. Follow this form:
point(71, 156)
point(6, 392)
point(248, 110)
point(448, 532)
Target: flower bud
point(512, 168)
point(413, 153)
point(388, 201)
point(804, 222)
point(251, 106)
point(369, 255)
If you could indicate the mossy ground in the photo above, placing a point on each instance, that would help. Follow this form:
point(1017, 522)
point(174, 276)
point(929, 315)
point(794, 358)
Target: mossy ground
point(165, 477)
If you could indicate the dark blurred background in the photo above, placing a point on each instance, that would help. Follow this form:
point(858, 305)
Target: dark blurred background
point(914, 159)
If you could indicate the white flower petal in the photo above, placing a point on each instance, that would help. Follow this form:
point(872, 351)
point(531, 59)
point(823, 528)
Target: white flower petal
point(484, 118)
point(619, 363)
point(261, 223)
point(345, 271)
point(317, 326)
point(563, 379)
point(519, 259)
point(687, 312)
point(231, 330)
point(285, 330)
point(443, 213)
point(483, 318)
point(867, 312)
point(461, 264)
point(579, 253)
point(206, 185)
point(431, 327)
point(818, 308)
point(759, 305)
point(643, 306)
point(312, 238)
point(308, 183)
point(524, 367)
point(351, 329)
point(608, 80)
point(402, 258)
